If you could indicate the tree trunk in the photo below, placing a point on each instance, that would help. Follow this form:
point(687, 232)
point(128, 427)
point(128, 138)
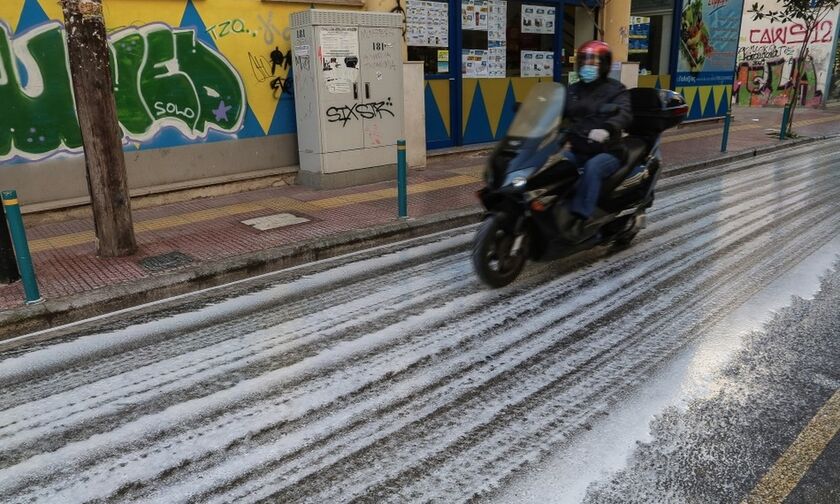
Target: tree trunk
point(87, 46)
point(797, 80)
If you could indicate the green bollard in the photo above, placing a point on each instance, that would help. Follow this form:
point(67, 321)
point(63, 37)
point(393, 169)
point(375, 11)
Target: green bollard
point(785, 119)
point(24, 260)
point(726, 122)
point(402, 182)
point(8, 265)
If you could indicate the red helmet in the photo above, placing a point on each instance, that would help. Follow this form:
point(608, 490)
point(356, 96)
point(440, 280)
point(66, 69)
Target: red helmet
point(595, 52)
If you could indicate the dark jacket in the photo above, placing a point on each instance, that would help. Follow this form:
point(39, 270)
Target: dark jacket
point(582, 114)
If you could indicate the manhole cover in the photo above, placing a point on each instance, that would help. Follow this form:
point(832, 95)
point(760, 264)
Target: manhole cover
point(269, 222)
point(166, 261)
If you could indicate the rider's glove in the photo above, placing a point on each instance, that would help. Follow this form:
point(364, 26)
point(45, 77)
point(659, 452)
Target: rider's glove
point(599, 135)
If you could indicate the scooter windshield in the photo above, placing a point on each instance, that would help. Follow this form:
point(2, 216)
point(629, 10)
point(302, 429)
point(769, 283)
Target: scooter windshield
point(541, 111)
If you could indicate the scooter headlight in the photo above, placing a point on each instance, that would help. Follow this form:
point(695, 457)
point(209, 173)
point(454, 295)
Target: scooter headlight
point(517, 179)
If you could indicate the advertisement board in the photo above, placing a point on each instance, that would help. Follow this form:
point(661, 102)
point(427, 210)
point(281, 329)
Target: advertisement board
point(709, 31)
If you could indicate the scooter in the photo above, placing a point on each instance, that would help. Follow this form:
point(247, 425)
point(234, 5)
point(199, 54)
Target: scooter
point(529, 181)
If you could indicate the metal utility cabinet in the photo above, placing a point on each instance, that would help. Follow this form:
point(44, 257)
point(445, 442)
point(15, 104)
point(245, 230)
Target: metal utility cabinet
point(348, 95)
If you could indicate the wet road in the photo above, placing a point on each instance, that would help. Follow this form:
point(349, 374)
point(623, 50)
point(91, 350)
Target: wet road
point(392, 375)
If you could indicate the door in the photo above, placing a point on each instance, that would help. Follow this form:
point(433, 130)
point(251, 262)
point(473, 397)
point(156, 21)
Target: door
point(432, 29)
point(339, 82)
point(381, 107)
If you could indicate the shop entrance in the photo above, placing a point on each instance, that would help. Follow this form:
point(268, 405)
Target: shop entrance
point(483, 59)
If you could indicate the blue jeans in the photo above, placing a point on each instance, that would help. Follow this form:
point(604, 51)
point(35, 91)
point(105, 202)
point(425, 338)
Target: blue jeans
point(593, 170)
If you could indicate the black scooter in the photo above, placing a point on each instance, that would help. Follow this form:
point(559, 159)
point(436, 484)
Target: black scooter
point(529, 181)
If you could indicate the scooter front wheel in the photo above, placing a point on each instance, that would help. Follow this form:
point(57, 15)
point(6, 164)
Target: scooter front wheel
point(498, 256)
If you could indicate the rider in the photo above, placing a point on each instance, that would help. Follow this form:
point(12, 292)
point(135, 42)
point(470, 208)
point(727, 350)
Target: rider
point(597, 110)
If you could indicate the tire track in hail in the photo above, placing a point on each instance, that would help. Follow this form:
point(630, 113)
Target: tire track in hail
point(484, 400)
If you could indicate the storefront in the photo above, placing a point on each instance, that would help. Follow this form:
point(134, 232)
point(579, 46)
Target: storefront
point(834, 86)
point(651, 26)
point(482, 56)
point(479, 63)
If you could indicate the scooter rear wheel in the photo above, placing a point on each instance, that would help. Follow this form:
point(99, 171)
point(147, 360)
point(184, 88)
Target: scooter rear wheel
point(491, 255)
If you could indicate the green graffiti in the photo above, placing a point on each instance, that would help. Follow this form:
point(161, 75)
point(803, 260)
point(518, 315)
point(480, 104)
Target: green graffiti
point(37, 119)
point(163, 77)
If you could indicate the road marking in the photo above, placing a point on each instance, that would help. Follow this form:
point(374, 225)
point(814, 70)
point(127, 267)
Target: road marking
point(786, 473)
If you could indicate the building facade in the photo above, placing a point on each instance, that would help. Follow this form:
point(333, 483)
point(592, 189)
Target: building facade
point(203, 86)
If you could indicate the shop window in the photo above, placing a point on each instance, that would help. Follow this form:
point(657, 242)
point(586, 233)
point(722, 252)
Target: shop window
point(427, 34)
point(483, 27)
point(530, 39)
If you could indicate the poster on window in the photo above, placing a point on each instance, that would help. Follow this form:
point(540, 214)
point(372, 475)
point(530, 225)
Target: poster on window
point(427, 23)
point(536, 64)
point(537, 19)
point(474, 15)
point(475, 63)
point(708, 42)
point(496, 39)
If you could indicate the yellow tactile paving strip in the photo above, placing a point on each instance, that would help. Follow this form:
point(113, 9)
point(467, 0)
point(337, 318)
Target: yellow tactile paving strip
point(469, 175)
point(794, 463)
point(274, 204)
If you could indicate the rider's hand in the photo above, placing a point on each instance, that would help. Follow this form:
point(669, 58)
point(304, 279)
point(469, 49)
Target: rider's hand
point(599, 135)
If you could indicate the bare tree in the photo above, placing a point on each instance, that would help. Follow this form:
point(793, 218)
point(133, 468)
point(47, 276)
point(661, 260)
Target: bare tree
point(87, 48)
point(810, 14)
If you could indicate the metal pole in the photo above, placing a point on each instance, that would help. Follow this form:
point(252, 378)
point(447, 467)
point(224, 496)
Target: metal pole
point(785, 119)
point(726, 121)
point(24, 260)
point(402, 189)
point(8, 266)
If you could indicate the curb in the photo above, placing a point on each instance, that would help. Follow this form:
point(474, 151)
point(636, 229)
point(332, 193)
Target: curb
point(672, 171)
point(55, 312)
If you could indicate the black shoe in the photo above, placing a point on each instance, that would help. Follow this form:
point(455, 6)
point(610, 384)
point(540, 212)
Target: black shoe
point(581, 230)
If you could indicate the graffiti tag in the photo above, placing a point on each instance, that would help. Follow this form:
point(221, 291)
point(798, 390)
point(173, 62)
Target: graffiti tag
point(163, 77)
point(259, 67)
point(793, 33)
point(347, 113)
point(761, 52)
point(766, 82)
point(270, 29)
point(229, 27)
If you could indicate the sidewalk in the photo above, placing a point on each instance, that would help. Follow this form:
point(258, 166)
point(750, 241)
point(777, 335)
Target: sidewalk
point(197, 243)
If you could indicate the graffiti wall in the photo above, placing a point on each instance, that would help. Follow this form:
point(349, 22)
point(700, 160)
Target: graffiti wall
point(184, 71)
point(768, 55)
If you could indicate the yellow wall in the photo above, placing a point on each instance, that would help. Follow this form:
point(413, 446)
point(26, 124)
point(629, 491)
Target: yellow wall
point(231, 41)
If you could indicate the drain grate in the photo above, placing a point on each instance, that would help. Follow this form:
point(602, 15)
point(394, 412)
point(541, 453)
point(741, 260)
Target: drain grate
point(165, 261)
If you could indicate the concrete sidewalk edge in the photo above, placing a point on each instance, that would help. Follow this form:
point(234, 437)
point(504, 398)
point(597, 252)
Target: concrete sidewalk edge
point(55, 312)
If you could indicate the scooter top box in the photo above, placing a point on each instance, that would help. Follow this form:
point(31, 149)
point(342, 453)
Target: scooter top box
point(655, 110)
